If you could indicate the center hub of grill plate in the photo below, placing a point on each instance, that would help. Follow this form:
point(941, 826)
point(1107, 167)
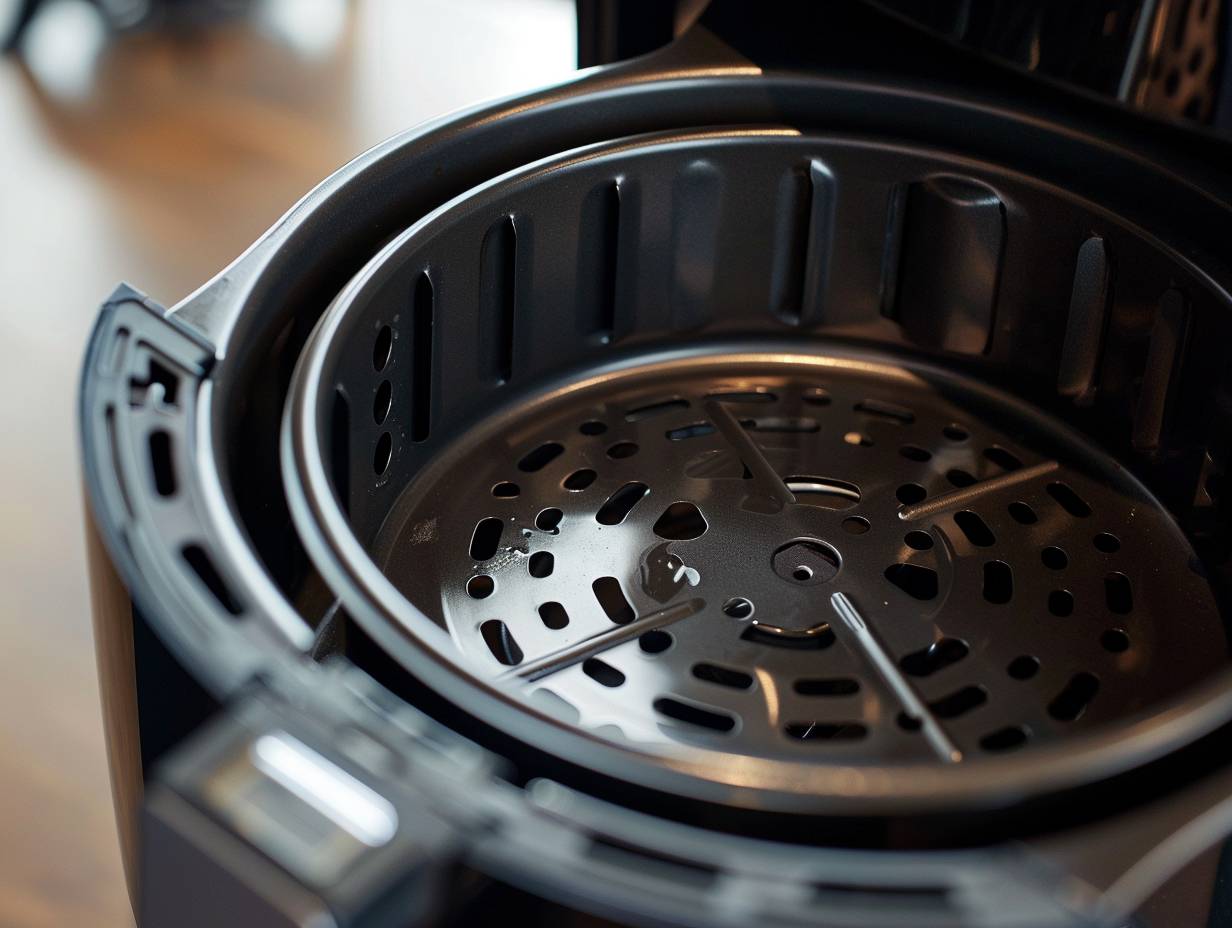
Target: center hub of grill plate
point(803, 557)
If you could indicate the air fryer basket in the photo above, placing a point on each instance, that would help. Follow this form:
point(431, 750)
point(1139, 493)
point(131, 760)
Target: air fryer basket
point(807, 488)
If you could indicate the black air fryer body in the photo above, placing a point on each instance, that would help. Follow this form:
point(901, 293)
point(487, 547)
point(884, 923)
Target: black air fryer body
point(775, 480)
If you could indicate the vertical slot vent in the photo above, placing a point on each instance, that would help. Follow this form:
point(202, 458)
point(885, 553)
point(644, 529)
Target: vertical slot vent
point(1160, 380)
point(804, 231)
point(1084, 329)
point(340, 449)
point(609, 254)
point(497, 297)
point(892, 249)
point(422, 310)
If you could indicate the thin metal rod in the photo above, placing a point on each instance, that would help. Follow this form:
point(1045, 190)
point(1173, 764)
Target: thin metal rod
point(588, 647)
point(877, 655)
point(975, 491)
point(765, 480)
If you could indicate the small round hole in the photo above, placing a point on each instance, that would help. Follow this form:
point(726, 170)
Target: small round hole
point(1114, 640)
point(738, 608)
point(592, 427)
point(802, 573)
point(855, 525)
point(1023, 667)
point(382, 401)
point(579, 479)
point(480, 586)
point(384, 451)
point(915, 453)
point(655, 641)
point(1107, 542)
point(1054, 558)
point(955, 432)
point(859, 439)
point(920, 541)
point(506, 490)
point(381, 347)
point(622, 449)
point(541, 564)
point(910, 493)
point(1061, 603)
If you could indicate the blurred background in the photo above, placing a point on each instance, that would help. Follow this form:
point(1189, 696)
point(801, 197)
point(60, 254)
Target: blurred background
point(153, 145)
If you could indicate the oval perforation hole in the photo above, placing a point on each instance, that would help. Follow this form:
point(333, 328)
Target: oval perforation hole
point(656, 409)
point(579, 480)
point(1118, 594)
point(1073, 701)
point(959, 477)
point(749, 396)
point(722, 676)
point(816, 396)
point(693, 430)
point(817, 642)
point(918, 541)
point(382, 346)
point(592, 427)
point(1061, 603)
point(826, 731)
point(1107, 543)
point(942, 653)
point(485, 540)
point(1023, 514)
point(500, 642)
point(548, 520)
point(506, 490)
point(383, 454)
point(975, 528)
point(655, 641)
point(738, 608)
point(888, 412)
point(622, 450)
point(1054, 558)
point(602, 672)
point(690, 714)
point(681, 521)
point(1114, 641)
point(823, 492)
point(915, 453)
point(998, 582)
point(554, 616)
point(480, 586)
point(612, 600)
point(959, 702)
point(856, 525)
point(1023, 667)
point(1069, 500)
point(910, 493)
point(540, 564)
point(618, 506)
point(540, 457)
point(832, 686)
point(955, 432)
point(916, 581)
point(1004, 739)
point(382, 401)
point(1002, 458)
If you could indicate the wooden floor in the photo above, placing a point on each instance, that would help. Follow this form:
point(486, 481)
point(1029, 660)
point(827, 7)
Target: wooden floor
point(156, 160)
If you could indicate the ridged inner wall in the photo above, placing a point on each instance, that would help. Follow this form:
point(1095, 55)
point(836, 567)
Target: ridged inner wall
point(764, 235)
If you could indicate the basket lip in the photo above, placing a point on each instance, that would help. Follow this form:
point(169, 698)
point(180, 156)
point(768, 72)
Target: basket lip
point(798, 787)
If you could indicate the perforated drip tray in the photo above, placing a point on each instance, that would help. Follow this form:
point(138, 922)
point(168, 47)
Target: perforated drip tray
point(806, 557)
